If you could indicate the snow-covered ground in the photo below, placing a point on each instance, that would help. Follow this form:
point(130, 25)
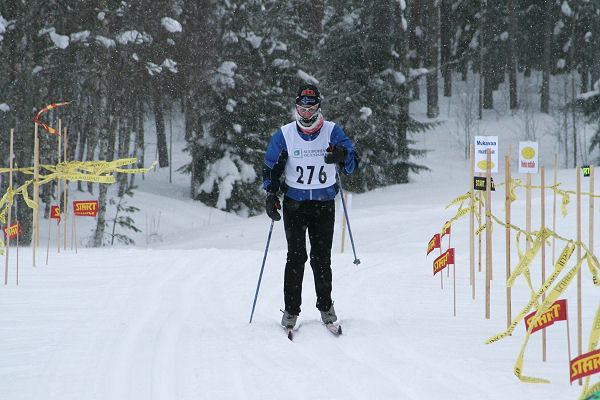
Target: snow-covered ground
point(168, 318)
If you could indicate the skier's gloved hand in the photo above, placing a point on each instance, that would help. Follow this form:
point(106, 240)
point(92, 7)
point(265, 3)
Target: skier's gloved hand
point(272, 205)
point(336, 154)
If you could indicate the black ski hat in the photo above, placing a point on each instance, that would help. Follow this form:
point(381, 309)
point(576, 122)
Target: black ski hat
point(308, 95)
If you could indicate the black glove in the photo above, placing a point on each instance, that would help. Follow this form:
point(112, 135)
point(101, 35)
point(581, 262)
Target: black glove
point(272, 205)
point(336, 154)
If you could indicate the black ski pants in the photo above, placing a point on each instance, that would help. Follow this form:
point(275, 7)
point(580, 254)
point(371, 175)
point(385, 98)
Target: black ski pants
point(318, 218)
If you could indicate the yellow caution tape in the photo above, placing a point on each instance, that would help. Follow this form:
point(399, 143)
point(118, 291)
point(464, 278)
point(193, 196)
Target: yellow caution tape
point(561, 263)
point(593, 344)
point(558, 289)
point(522, 268)
point(89, 171)
point(481, 229)
point(527, 258)
point(138, 170)
point(459, 199)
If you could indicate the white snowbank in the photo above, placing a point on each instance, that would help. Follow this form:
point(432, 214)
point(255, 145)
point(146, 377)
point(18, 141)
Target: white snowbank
point(566, 9)
point(60, 41)
point(365, 112)
point(398, 76)
point(153, 68)
point(307, 77)
point(224, 173)
point(170, 65)
point(281, 63)
point(134, 36)
point(106, 42)
point(227, 68)
point(171, 24)
point(254, 40)
point(80, 36)
point(3, 24)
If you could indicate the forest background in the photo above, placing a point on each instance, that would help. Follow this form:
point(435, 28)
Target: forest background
point(231, 69)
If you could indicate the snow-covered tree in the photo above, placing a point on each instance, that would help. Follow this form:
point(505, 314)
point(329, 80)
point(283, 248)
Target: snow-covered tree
point(368, 94)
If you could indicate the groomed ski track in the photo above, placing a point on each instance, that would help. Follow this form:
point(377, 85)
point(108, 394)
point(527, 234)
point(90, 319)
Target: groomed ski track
point(168, 319)
point(171, 322)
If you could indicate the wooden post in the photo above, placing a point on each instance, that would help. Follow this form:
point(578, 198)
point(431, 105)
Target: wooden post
point(488, 232)
point(483, 219)
point(579, 338)
point(554, 210)
point(507, 187)
point(568, 334)
point(441, 272)
point(453, 271)
point(472, 220)
point(49, 234)
point(37, 186)
point(17, 255)
point(591, 224)
point(528, 210)
point(543, 223)
point(65, 208)
point(74, 234)
point(448, 269)
point(58, 183)
point(36, 191)
point(10, 184)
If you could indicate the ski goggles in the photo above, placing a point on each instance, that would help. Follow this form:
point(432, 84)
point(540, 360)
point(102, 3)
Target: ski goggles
point(307, 110)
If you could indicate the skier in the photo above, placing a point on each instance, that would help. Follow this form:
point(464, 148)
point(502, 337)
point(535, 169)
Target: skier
point(308, 150)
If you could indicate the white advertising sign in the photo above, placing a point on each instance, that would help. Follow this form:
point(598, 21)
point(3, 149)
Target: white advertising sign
point(482, 143)
point(528, 157)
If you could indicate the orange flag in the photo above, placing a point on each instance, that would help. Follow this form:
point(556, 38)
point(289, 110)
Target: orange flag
point(48, 128)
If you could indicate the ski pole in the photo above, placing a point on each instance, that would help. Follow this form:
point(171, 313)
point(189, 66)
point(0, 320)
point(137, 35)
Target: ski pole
point(356, 260)
point(261, 269)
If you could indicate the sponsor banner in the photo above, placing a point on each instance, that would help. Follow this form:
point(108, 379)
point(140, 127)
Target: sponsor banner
point(85, 208)
point(434, 243)
point(15, 230)
point(585, 365)
point(443, 261)
point(528, 158)
point(556, 312)
point(479, 183)
point(482, 143)
point(55, 213)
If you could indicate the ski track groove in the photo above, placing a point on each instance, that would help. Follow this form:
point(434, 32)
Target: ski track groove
point(125, 369)
point(158, 329)
point(218, 324)
point(354, 356)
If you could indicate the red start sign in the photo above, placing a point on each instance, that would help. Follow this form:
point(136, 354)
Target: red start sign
point(15, 230)
point(85, 208)
point(55, 212)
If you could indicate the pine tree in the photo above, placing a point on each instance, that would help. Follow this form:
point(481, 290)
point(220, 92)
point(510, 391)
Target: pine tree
point(589, 105)
point(465, 21)
point(446, 42)
point(432, 59)
point(227, 153)
point(370, 98)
